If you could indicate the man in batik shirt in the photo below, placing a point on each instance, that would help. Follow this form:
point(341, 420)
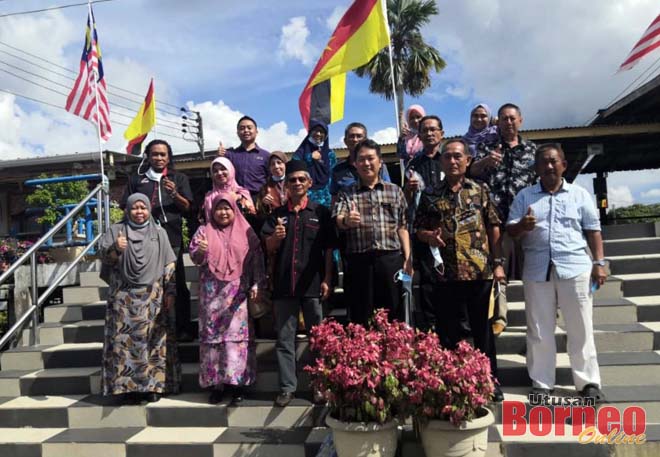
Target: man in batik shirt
point(458, 217)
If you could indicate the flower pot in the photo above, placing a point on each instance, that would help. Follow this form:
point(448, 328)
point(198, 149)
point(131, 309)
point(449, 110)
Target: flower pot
point(470, 439)
point(363, 439)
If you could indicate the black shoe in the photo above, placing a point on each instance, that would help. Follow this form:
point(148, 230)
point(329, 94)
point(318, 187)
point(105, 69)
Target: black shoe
point(237, 396)
point(184, 337)
point(283, 399)
point(152, 397)
point(216, 396)
point(131, 398)
point(593, 391)
point(498, 395)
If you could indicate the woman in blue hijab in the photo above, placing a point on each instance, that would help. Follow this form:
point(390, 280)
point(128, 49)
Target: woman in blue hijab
point(320, 160)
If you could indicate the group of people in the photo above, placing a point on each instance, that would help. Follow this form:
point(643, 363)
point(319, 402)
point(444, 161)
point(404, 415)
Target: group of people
point(470, 215)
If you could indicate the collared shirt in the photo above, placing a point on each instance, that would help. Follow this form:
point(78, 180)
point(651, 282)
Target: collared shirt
point(168, 209)
point(344, 174)
point(251, 166)
point(428, 168)
point(299, 264)
point(514, 173)
point(557, 237)
point(382, 212)
point(464, 217)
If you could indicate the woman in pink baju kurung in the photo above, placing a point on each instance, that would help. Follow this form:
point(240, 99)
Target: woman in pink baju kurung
point(231, 271)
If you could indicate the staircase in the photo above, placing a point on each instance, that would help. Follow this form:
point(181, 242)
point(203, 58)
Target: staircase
point(50, 403)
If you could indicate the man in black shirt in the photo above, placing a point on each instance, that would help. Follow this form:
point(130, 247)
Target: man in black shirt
point(171, 197)
point(300, 235)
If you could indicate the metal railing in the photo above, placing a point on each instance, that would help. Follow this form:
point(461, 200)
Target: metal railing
point(34, 310)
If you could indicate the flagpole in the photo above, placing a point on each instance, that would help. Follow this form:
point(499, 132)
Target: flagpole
point(96, 89)
point(396, 101)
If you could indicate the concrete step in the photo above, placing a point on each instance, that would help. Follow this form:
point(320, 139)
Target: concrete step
point(612, 289)
point(637, 230)
point(90, 354)
point(631, 246)
point(90, 294)
point(640, 284)
point(648, 307)
point(631, 264)
point(605, 311)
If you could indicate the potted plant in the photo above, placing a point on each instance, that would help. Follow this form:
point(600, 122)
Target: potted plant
point(447, 398)
point(360, 372)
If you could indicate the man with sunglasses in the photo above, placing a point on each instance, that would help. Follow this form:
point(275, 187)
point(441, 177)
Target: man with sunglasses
point(300, 236)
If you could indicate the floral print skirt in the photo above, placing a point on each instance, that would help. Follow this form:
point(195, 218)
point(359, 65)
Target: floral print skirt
point(231, 362)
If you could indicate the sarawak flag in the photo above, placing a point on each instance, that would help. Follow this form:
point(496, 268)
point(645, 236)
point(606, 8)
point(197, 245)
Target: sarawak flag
point(144, 121)
point(646, 44)
point(360, 34)
point(88, 97)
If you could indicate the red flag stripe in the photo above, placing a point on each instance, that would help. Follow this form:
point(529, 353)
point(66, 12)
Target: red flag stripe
point(646, 44)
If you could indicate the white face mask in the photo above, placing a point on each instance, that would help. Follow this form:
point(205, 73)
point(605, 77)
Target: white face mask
point(153, 175)
point(314, 142)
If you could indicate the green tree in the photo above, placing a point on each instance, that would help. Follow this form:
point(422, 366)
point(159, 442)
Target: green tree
point(414, 60)
point(637, 213)
point(50, 196)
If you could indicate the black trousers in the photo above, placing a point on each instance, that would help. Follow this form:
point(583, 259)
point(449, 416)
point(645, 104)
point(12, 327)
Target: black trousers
point(458, 302)
point(369, 284)
point(182, 303)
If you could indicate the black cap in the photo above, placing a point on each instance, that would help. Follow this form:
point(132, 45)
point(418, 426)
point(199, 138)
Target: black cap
point(296, 165)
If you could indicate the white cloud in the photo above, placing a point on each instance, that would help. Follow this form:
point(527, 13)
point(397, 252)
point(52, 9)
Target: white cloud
point(651, 194)
point(385, 136)
point(458, 91)
point(336, 15)
point(293, 41)
point(619, 196)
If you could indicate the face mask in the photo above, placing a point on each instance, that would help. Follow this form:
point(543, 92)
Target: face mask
point(314, 142)
point(153, 175)
point(278, 178)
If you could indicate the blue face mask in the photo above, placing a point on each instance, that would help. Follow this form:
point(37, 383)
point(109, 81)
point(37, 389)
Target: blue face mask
point(278, 178)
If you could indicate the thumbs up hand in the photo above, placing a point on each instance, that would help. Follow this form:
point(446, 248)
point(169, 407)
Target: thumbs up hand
point(280, 229)
point(435, 239)
point(528, 222)
point(202, 243)
point(316, 155)
point(221, 150)
point(353, 219)
point(122, 242)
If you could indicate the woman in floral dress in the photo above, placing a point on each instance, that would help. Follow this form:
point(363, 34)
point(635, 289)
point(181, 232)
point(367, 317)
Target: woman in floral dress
point(139, 351)
point(231, 272)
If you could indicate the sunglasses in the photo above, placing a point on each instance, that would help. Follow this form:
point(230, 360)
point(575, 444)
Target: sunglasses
point(295, 179)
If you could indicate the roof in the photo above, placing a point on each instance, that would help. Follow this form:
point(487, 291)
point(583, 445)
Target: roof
point(640, 105)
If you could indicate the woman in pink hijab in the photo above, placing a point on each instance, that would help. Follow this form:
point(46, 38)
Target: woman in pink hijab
point(232, 271)
point(409, 143)
point(223, 176)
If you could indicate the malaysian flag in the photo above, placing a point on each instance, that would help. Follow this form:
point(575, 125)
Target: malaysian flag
point(646, 44)
point(88, 97)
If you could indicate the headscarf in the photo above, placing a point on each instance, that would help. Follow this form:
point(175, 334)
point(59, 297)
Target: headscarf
point(413, 143)
point(278, 183)
point(486, 135)
point(319, 170)
point(148, 251)
point(228, 246)
point(230, 186)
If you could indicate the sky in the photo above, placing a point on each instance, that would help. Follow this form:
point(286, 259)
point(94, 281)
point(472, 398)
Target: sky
point(556, 60)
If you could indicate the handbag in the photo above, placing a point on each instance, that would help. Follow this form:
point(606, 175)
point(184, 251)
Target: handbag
point(261, 305)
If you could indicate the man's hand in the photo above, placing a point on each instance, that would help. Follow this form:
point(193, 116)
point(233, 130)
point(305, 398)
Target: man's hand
point(122, 243)
point(280, 229)
point(498, 274)
point(325, 290)
point(268, 200)
point(353, 219)
point(413, 183)
point(408, 267)
point(528, 222)
point(493, 159)
point(253, 294)
point(435, 239)
point(316, 155)
point(169, 186)
point(598, 275)
point(221, 150)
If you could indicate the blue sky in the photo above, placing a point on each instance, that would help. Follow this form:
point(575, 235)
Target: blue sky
point(557, 60)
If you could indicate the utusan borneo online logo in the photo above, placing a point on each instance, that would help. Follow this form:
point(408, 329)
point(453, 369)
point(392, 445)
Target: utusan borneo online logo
point(579, 417)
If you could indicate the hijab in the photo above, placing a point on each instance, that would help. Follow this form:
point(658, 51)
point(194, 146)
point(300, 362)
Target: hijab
point(413, 143)
point(228, 247)
point(486, 135)
point(319, 170)
point(148, 251)
point(230, 186)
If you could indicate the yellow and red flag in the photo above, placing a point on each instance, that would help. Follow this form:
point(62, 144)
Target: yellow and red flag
point(360, 34)
point(140, 126)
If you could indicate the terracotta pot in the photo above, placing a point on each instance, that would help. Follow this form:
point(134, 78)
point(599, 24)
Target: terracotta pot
point(364, 439)
point(470, 439)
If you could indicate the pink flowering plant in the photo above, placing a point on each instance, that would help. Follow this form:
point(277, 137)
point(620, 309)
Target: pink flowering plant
point(360, 371)
point(391, 370)
point(11, 249)
point(448, 384)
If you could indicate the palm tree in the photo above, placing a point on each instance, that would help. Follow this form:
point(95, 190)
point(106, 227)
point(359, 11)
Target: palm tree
point(413, 59)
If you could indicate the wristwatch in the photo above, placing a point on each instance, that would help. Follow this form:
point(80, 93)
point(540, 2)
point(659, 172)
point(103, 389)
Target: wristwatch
point(600, 263)
point(498, 261)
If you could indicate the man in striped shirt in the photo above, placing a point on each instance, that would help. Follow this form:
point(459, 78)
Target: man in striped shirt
point(557, 221)
point(372, 215)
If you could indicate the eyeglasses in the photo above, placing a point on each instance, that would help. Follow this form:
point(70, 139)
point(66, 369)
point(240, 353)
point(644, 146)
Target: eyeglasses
point(295, 179)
